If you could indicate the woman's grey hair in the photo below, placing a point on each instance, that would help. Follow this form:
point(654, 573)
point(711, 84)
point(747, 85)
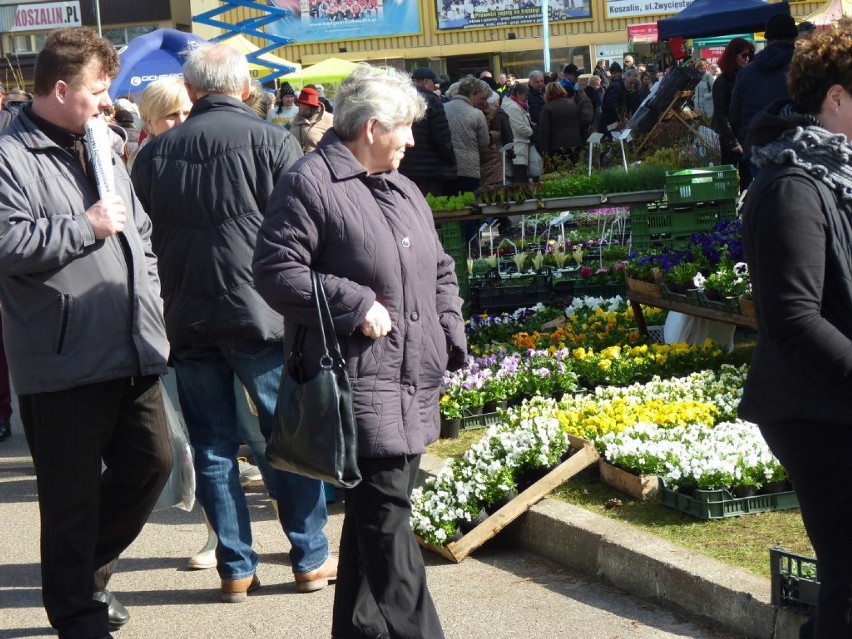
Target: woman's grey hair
point(370, 93)
point(470, 85)
point(216, 68)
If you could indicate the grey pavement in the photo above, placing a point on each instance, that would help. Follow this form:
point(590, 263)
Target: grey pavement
point(538, 579)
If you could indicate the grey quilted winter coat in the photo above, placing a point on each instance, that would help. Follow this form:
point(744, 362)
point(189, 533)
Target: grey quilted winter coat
point(371, 237)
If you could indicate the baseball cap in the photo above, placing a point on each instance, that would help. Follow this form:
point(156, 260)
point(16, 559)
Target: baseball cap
point(424, 73)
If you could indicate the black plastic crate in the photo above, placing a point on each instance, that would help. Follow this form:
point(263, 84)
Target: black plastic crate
point(795, 580)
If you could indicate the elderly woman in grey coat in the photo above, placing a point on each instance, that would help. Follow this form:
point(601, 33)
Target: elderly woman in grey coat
point(469, 131)
point(345, 212)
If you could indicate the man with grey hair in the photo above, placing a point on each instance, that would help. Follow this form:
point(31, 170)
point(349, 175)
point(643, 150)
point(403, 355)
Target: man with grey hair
point(620, 100)
point(206, 184)
point(536, 97)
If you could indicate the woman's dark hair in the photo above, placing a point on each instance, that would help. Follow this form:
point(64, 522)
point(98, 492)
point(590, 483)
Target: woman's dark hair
point(520, 89)
point(819, 63)
point(728, 60)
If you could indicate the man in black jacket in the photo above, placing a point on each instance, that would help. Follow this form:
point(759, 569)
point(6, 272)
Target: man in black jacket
point(764, 81)
point(536, 96)
point(206, 184)
point(621, 98)
point(431, 162)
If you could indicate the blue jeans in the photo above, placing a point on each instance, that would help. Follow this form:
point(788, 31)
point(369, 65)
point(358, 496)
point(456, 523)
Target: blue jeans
point(248, 425)
point(205, 381)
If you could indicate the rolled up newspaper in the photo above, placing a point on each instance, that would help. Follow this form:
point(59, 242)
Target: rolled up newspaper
point(100, 152)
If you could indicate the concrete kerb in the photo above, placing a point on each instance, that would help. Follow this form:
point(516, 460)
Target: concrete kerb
point(648, 566)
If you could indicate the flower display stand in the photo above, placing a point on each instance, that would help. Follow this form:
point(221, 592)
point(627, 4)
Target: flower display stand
point(584, 455)
point(639, 487)
point(718, 504)
point(650, 289)
point(682, 304)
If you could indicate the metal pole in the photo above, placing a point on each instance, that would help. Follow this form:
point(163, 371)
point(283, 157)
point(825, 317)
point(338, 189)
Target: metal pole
point(98, 16)
point(545, 34)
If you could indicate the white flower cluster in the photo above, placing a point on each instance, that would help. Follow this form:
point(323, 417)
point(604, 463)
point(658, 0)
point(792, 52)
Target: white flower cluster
point(593, 303)
point(530, 436)
point(725, 456)
point(485, 473)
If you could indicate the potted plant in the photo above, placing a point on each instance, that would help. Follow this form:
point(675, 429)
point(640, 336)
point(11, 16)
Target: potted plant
point(680, 278)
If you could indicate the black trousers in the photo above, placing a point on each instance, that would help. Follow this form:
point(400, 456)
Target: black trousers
point(89, 517)
point(823, 483)
point(381, 580)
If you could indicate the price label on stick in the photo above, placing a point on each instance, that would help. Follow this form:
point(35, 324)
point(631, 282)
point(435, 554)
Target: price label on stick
point(97, 140)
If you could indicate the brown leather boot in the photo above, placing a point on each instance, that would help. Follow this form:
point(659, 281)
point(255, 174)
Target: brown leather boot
point(236, 590)
point(319, 578)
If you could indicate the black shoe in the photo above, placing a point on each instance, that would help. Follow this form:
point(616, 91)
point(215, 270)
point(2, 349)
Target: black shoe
point(116, 613)
point(5, 430)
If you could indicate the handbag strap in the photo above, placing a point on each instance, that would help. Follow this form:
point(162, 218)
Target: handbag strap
point(331, 353)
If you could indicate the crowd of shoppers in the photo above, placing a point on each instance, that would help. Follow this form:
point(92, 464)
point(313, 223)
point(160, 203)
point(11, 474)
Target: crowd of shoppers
point(203, 260)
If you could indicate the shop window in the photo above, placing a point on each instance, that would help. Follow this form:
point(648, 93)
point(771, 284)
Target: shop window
point(121, 36)
point(28, 42)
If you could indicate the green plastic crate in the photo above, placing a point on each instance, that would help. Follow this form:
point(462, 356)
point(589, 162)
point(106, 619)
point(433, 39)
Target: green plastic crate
point(702, 185)
point(671, 226)
point(472, 422)
point(606, 291)
point(718, 504)
point(795, 580)
point(451, 235)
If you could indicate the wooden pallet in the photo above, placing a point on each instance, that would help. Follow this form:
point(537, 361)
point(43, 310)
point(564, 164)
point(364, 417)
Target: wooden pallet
point(456, 551)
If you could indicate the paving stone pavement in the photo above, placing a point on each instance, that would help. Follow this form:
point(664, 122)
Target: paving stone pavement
point(498, 593)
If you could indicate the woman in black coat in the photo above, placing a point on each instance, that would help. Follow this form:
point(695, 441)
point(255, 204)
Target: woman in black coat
point(564, 123)
point(738, 53)
point(797, 231)
point(345, 212)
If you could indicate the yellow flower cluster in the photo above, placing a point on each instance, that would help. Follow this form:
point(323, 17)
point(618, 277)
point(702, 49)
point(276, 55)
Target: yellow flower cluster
point(593, 418)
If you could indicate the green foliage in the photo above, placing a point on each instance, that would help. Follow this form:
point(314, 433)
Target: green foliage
point(450, 202)
point(640, 177)
point(571, 184)
point(683, 274)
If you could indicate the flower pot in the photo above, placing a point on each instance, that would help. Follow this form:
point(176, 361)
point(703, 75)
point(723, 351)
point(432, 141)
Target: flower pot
point(771, 487)
point(529, 476)
point(467, 526)
point(744, 491)
point(747, 307)
point(450, 428)
point(497, 504)
point(491, 407)
point(472, 411)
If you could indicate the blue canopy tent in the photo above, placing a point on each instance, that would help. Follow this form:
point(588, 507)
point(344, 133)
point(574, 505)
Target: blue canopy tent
point(707, 18)
point(149, 57)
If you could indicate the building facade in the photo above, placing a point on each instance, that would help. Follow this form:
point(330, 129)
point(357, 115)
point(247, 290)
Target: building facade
point(501, 35)
point(25, 25)
point(504, 35)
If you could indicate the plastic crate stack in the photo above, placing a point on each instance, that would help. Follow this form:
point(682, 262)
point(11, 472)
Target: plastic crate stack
point(452, 238)
point(696, 200)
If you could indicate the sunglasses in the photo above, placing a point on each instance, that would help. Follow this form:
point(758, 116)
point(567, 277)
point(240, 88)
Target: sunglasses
point(746, 55)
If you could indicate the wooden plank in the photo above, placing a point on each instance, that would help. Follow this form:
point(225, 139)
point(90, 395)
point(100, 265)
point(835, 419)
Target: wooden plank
point(637, 486)
point(693, 309)
point(457, 551)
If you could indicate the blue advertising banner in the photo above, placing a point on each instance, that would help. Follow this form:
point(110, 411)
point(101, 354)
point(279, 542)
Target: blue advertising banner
point(324, 20)
point(481, 14)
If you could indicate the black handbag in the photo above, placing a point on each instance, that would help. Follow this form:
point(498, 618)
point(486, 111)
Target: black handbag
point(316, 435)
